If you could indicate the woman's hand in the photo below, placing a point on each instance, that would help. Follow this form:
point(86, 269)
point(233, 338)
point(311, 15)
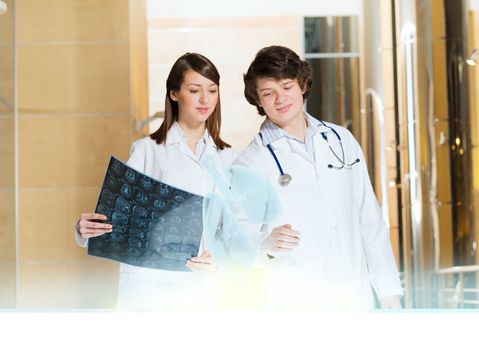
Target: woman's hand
point(202, 263)
point(282, 239)
point(88, 225)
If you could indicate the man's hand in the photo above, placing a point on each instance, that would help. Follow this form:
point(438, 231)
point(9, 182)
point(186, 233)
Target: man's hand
point(282, 239)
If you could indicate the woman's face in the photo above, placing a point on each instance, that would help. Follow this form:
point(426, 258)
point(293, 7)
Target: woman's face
point(196, 98)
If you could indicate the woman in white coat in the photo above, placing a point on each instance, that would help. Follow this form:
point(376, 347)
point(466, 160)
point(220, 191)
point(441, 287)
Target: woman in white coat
point(190, 131)
point(330, 247)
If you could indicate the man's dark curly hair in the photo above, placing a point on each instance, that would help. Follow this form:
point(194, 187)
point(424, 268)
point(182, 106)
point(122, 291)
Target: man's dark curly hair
point(277, 62)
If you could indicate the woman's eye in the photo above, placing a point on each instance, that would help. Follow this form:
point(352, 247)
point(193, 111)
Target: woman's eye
point(213, 91)
point(194, 91)
point(266, 94)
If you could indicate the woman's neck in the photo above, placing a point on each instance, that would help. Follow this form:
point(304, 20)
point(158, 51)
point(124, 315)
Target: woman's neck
point(193, 133)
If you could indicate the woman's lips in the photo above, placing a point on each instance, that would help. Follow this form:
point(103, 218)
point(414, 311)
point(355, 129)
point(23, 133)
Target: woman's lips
point(202, 110)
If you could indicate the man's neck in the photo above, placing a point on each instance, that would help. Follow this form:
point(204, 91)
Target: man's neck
point(297, 127)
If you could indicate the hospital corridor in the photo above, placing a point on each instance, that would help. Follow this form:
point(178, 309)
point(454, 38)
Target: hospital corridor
point(81, 81)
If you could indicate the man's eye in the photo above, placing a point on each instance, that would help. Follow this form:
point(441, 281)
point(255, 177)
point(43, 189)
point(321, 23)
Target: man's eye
point(287, 87)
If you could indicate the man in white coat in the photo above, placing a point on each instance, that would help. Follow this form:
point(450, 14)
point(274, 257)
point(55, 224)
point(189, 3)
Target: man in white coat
point(330, 247)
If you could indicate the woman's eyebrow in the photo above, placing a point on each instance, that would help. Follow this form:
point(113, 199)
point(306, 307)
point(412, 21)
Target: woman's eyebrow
point(199, 85)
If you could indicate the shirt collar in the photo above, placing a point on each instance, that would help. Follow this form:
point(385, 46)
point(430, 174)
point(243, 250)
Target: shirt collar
point(177, 135)
point(270, 132)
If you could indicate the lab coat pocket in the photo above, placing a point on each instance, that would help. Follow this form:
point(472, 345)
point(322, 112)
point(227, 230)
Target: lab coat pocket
point(341, 183)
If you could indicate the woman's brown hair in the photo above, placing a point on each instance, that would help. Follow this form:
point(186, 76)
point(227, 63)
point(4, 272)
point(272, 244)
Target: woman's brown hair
point(201, 65)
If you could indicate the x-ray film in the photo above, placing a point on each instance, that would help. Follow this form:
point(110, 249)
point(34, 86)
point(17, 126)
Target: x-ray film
point(238, 189)
point(155, 225)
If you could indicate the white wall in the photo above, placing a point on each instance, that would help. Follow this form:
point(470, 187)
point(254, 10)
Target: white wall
point(229, 33)
point(227, 8)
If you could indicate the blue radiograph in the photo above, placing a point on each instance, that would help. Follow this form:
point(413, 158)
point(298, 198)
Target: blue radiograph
point(156, 225)
point(242, 196)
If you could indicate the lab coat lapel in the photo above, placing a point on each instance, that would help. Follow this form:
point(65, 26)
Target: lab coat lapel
point(286, 147)
point(210, 149)
point(326, 200)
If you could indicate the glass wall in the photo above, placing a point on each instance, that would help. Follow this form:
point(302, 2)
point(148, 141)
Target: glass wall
point(7, 156)
point(331, 47)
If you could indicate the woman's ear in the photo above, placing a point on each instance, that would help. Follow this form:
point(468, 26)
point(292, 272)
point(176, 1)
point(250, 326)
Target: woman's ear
point(173, 95)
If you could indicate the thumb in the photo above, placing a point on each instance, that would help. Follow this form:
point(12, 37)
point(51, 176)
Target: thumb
point(288, 226)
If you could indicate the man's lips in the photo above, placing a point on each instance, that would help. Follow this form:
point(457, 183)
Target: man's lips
point(284, 108)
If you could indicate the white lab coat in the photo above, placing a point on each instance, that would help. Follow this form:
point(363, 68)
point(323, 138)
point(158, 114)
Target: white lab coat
point(344, 247)
point(175, 164)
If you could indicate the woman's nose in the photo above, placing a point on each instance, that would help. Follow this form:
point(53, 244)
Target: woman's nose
point(204, 98)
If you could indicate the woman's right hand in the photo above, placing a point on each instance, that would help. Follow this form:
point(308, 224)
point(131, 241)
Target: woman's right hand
point(87, 227)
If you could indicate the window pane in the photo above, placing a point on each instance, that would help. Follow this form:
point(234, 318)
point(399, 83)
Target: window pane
point(331, 34)
point(334, 95)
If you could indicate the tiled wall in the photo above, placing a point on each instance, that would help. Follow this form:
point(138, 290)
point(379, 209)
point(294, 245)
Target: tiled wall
point(7, 160)
point(76, 107)
point(231, 44)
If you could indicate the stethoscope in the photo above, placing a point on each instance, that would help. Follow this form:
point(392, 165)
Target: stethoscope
point(284, 179)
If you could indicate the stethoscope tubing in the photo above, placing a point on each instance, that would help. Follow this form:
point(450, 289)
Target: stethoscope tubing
point(341, 160)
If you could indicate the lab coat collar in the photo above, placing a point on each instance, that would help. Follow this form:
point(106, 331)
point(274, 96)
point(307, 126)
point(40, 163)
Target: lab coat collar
point(317, 124)
point(270, 132)
point(176, 135)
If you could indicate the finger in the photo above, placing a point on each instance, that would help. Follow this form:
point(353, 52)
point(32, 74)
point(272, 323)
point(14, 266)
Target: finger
point(286, 238)
point(91, 235)
point(93, 216)
point(84, 231)
point(202, 259)
point(289, 232)
point(91, 224)
point(283, 250)
point(205, 253)
point(200, 267)
point(286, 245)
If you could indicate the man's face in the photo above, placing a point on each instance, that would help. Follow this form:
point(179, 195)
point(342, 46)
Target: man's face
point(281, 99)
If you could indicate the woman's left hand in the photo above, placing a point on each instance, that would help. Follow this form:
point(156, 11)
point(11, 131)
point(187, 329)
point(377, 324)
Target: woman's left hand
point(202, 263)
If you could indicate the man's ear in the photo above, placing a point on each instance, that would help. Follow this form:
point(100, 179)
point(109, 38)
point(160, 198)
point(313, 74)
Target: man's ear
point(303, 88)
point(173, 95)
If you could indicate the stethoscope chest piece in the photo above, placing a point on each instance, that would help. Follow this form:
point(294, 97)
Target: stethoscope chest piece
point(284, 180)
